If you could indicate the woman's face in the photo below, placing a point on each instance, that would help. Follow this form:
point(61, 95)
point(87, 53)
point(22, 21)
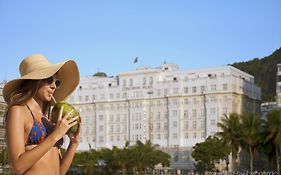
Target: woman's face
point(47, 88)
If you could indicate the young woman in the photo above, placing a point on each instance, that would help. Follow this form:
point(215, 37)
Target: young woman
point(33, 142)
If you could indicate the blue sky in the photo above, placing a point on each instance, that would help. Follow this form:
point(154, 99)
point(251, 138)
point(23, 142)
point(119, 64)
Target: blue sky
point(107, 35)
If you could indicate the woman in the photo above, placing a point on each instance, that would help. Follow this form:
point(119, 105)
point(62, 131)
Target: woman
point(32, 147)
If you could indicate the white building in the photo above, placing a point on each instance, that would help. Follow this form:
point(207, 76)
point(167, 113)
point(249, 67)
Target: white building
point(2, 112)
point(173, 108)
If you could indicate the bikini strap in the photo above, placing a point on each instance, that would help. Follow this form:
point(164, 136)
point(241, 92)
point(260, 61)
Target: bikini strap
point(30, 111)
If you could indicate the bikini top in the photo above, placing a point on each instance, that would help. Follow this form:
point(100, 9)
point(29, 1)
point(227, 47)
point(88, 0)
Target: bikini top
point(38, 132)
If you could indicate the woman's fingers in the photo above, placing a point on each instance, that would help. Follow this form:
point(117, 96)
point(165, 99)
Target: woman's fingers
point(73, 119)
point(68, 114)
point(60, 113)
point(72, 124)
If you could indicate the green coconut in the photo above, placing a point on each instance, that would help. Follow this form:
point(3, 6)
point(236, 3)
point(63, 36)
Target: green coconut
point(66, 108)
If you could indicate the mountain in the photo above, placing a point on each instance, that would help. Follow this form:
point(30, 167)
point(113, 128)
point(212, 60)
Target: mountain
point(264, 70)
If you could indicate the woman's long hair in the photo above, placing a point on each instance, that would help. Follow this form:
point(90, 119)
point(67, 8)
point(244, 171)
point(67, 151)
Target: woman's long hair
point(26, 91)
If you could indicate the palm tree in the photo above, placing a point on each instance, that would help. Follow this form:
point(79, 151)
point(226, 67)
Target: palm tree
point(230, 135)
point(251, 135)
point(273, 130)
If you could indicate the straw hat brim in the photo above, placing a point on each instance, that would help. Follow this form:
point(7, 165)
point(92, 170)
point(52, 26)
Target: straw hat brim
point(67, 72)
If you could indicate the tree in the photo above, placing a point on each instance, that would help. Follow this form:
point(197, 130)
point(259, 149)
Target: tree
point(230, 135)
point(208, 152)
point(273, 130)
point(250, 134)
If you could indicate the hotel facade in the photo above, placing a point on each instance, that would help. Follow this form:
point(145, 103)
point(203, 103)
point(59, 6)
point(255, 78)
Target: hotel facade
point(172, 108)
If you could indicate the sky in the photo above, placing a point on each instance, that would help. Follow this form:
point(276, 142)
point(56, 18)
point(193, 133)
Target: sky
point(108, 35)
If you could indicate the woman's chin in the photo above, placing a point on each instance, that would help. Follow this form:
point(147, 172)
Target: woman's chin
point(48, 99)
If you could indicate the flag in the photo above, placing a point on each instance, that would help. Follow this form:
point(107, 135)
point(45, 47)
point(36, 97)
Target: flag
point(136, 60)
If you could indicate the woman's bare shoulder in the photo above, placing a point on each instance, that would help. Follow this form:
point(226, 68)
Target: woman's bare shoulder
point(16, 111)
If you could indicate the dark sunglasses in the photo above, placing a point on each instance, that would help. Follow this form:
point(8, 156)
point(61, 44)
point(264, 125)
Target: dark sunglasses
point(50, 80)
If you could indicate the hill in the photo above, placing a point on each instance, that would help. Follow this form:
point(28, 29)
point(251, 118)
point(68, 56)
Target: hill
point(264, 70)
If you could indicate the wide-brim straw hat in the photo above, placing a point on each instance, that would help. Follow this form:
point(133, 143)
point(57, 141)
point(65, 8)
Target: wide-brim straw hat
point(37, 67)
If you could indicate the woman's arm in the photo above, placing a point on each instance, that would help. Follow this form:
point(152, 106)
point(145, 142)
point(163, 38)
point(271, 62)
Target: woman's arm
point(70, 152)
point(20, 159)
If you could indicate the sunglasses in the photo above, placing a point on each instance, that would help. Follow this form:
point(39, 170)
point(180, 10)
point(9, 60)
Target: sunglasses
point(50, 80)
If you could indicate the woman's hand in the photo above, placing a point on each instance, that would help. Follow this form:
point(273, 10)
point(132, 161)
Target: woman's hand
point(75, 137)
point(64, 123)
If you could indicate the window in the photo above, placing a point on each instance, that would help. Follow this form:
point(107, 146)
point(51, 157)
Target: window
point(118, 118)
point(213, 122)
point(194, 100)
point(150, 80)
point(186, 101)
point(175, 113)
point(158, 126)
point(224, 110)
point(101, 128)
point(279, 78)
point(111, 96)
point(158, 115)
point(194, 113)
point(144, 81)
point(102, 96)
point(158, 136)
point(194, 124)
point(201, 124)
point(224, 87)
point(118, 128)
point(194, 89)
point(100, 117)
point(124, 83)
point(131, 82)
point(194, 135)
point(202, 88)
point(175, 124)
point(175, 135)
point(165, 126)
point(111, 118)
point(158, 92)
point(165, 91)
point(186, 125)
point(185, 90)
point(86, 98)
point(185, 114)
point(213, 87)
point(213, 111)
point(100, 138)
point(118, 95)
point(175, 90)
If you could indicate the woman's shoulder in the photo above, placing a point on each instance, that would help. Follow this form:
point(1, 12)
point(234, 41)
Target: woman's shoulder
point(16, 111)
point(17, 108)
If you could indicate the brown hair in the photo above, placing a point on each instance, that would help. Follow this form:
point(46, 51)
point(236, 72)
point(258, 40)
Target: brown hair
point(26, 91)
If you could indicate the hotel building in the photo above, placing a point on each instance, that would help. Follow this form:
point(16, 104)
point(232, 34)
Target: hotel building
point(2, 112)
point(172, 108)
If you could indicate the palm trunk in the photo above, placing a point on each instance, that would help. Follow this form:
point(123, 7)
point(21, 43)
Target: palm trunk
point(233, 160)
point(277, 160)
point(251, 159)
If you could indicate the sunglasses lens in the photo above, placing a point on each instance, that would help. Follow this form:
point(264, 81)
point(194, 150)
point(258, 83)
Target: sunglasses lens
point(50, 80)
point(58, 83)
